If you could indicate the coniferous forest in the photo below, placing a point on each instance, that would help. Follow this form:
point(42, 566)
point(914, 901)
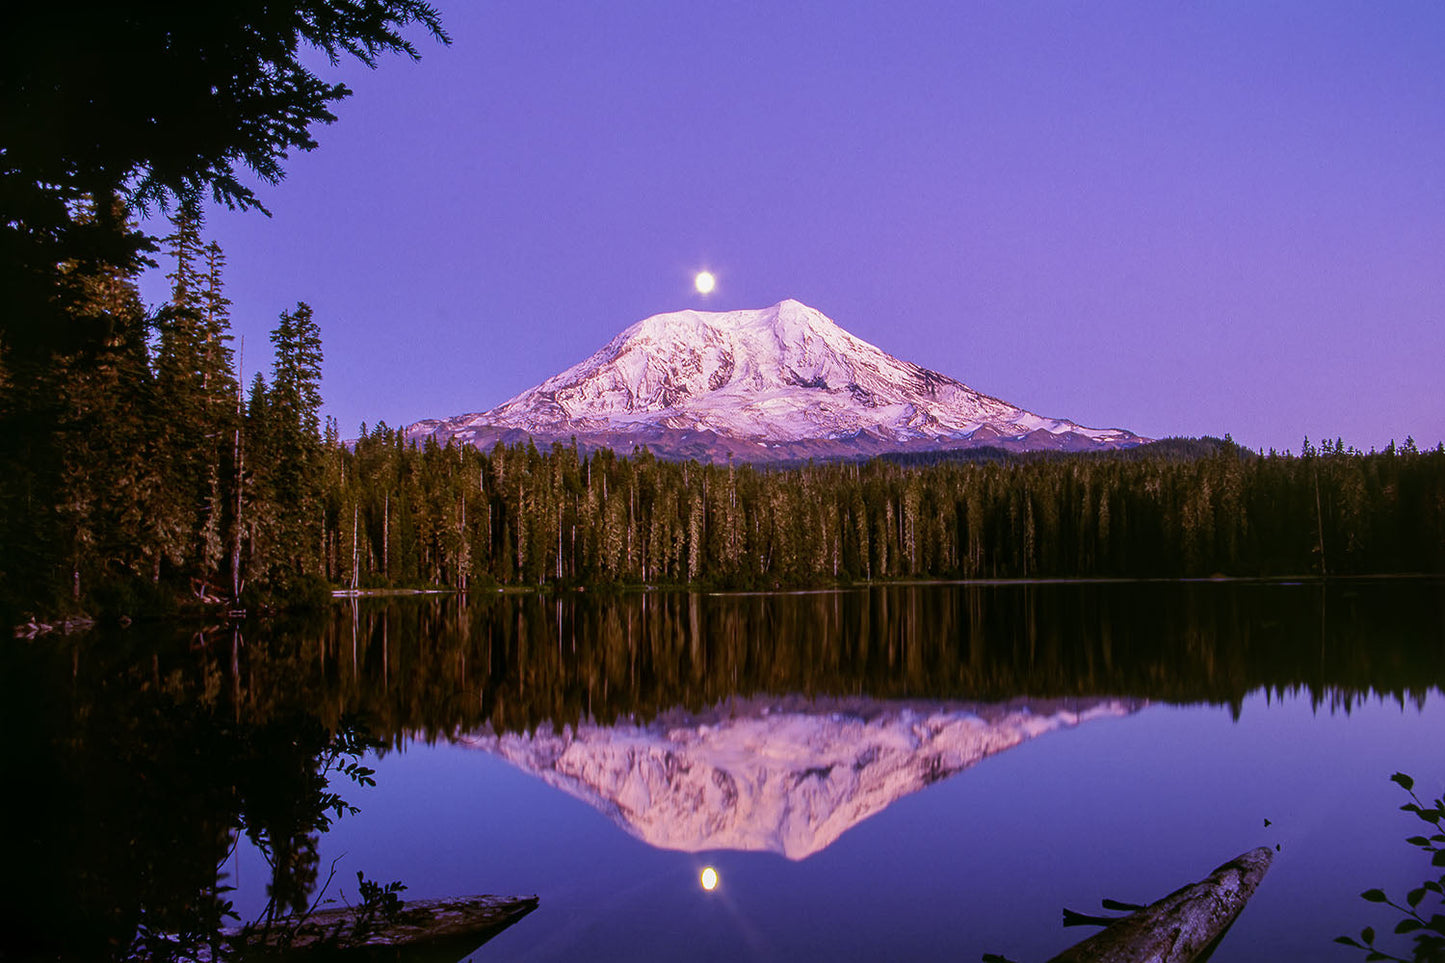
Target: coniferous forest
point(165, 483)
point(401, 514)
point(132, 472)
point(140, 475)
point(173, 777)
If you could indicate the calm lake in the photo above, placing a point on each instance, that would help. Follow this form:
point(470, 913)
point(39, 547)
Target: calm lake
point(888, 773)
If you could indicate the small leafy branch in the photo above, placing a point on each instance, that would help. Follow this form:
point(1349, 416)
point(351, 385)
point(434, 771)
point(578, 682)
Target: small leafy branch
point(348, 745)
point(380, 905)
point(1429, 933)
point(296, 802)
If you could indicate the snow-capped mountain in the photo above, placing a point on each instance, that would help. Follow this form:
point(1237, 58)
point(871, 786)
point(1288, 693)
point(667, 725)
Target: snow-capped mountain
point(781, 776)
point(777, 383)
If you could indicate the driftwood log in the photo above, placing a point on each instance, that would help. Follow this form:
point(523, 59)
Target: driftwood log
point(418, 922)
point(1181, 927)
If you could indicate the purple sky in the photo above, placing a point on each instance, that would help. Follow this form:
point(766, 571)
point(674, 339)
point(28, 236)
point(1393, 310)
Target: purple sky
point(1189, 218)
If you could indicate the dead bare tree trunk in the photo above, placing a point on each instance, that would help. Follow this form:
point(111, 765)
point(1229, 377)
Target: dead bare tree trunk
point(237, 457)
point(1182, 926)
point(355, 554)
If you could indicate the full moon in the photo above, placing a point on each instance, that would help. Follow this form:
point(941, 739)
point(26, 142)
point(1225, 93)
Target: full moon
point(704, 282)
point(709, 879)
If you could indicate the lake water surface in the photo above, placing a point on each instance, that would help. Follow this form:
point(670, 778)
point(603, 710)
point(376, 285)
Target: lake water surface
point(902, 772)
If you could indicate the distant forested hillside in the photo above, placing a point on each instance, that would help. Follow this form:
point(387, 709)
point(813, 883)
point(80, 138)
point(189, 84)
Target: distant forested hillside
point(1163, 448)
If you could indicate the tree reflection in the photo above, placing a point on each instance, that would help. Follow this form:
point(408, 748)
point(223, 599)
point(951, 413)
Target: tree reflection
point(139, 757)
point(517, 662)
point(136, 774)
point(285, 774)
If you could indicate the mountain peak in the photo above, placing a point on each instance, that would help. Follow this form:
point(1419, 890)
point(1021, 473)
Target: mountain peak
point(786, 315)
point(788, 310)
point(767, 383)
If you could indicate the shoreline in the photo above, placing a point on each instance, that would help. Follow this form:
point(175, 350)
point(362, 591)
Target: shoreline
point(1280, 580)
point(374, 593)
point(35, 627)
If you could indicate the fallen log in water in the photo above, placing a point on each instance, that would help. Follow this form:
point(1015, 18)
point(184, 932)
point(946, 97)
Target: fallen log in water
point(417, 922)
point(1182, 926)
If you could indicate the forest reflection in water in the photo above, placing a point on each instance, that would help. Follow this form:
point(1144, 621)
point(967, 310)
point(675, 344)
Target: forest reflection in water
point(517, 662)
point(144, 752)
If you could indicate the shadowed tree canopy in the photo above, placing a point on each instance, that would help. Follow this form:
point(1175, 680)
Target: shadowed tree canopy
point(148, 102)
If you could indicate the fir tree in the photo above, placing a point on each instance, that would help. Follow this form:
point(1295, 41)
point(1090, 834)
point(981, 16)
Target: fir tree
point(107, 108)
point(295, 394)
point(293, 412)
point(195, 392)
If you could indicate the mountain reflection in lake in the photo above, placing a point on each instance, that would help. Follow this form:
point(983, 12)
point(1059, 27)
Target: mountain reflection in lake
point(771, 776)
point(807, 744)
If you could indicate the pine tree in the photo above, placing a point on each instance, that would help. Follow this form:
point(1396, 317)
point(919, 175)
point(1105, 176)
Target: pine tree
point(98, 108)
point(195, 404)
point(72, 440)
point(107, 484)
point(296, 383)
point(100, 100)
point(293, 411)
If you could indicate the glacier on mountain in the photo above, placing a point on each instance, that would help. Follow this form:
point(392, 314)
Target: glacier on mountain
point(778, 382)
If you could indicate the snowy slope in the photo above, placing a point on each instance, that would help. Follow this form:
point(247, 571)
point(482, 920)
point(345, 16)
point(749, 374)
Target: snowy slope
point(784, 378)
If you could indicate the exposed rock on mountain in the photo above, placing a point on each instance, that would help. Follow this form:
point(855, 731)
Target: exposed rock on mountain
point(774, 384)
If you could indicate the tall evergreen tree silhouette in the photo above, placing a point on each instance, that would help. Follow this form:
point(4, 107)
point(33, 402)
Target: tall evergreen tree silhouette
point(107, 110)
point(293, 410)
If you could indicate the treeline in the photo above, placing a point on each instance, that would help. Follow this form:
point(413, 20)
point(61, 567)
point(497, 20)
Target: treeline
point(401, 514)
point(138, 475)
point(517, 662)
